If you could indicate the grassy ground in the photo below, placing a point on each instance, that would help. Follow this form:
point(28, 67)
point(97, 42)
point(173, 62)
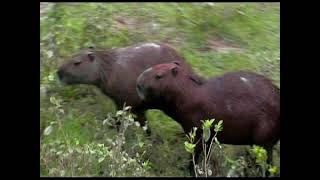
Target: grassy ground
point(214, 38)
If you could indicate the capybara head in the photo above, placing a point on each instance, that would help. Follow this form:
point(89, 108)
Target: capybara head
point(153, 82)
point(83, 68)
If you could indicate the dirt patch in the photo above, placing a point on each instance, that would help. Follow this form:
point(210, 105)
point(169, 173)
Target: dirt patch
point(219, 44)
point(128, 23)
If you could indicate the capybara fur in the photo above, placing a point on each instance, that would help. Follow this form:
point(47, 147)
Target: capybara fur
point(248, 103)
point(115, 71)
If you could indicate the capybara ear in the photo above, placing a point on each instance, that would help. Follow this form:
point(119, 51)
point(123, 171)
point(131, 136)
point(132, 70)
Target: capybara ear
point(91, 56)
point(174, 71)
point(176, 62)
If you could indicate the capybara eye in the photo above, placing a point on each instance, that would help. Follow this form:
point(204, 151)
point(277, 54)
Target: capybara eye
point(158, 77)
point(91, 56)
point(176, 62)
point(77, 63)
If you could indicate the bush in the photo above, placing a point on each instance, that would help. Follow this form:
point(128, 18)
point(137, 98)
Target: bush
point(202, 169)
point(68, 157)
point(254, 166)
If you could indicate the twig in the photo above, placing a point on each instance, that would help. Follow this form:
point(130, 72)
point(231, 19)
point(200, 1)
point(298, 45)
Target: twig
point(194, 165)
point(205, 160)
point(209, 154)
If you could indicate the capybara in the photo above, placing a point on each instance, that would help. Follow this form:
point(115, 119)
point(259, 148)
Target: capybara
point(115, 71)
point(248, 103)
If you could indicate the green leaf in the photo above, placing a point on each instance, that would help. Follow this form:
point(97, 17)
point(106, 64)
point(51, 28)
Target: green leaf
point(48, 130)
point(53, 122)
point(53, 100)
point(145, 128)
point(130, 118)
point(218, 127)
point(52, 170)
point(189, 147)
point(70, 150)
point(62, 172)
point(127, 108)
point(207, 123)
point(101, 159)
point(141, 144)
point(113, 173)
point(137, 123)
point(146, 165)
point(194, 132)
point(260, 153)
point(273, 170)
point(105, 121)
point(61, 111)
point(206, 134)
point(217, 142)
point(120, 112)
point(59, 152)
point(51, 77)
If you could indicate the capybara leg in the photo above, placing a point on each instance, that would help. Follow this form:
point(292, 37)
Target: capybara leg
point(118, 124)
point(191, 168)
point(141, 118)
point(269, 150)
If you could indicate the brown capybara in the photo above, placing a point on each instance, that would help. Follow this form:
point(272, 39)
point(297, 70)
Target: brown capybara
point(115, 71)
point(248, 103)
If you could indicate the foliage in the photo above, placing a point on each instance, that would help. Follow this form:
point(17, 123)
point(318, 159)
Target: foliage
point(206, 135)
point(69, 158)
point(255, 165)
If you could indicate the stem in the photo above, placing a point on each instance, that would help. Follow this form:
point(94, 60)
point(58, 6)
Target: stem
point(194, 165)
point(263, 170)
point(204, 151)
point(205, 160)
point(209, 153)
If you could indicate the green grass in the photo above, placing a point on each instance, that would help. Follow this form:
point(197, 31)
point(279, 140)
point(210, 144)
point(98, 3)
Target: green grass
point(254, 27)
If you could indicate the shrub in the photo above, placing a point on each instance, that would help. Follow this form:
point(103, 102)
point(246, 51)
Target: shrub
point(67, 157)
point(203, 168)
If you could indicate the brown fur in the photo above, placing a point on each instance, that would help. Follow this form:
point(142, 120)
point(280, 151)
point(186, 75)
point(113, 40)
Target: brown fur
point(115, 71)
point(248, 103)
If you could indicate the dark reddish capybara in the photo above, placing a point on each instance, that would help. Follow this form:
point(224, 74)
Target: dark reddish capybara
point(115, 71)
point(248, 103)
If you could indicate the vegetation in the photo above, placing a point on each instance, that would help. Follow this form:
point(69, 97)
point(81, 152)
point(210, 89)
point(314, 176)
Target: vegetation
point(76, 128)
point(257, 168)
point(206, 134)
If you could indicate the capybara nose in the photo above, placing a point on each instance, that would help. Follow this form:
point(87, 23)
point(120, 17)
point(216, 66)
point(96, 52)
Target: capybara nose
point(139, 87)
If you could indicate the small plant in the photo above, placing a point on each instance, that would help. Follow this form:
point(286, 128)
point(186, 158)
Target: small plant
point(121, 163)
point(68, 157)
point(190, 146)
point(206, 135)
point(261, 159)
point(255, 165)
